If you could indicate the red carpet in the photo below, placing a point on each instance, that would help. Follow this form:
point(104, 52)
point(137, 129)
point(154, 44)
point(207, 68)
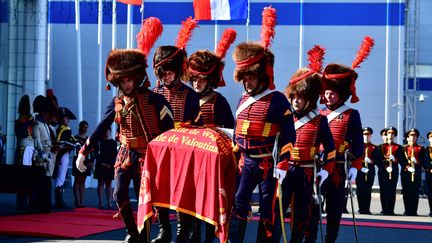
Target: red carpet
point(389, 224)
point(72, 224)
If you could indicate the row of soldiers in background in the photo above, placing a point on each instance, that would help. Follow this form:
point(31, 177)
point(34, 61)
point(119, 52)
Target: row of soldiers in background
point(388, 156)
point(40, 143)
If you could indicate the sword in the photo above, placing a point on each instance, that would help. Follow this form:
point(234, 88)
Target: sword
point(348, 182)
point(276, 154)
point(318, 197)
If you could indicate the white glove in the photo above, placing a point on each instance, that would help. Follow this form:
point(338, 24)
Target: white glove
point(391, 157)
point(389, 169)
point(352, 174)
point(368, 160)
point(323, 174)
point(222, 218)
point(44, 157)
point(364, 170)
point(279, 174)
point(80, 163)
point(411, 169)
point(414, 160)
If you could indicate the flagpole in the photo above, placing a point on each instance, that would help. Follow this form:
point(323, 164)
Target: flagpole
point(79, 74)
point(386, 77)
point(142, 11)
point(129, 27)
point(113, 46)
point(99, 87)
point(114, 26)
point(215, 35)
point(248, 20)
point(300, 61)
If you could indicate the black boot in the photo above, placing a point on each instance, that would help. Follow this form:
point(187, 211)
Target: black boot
point(264, 233)
point(129, 221)
point(195, 234)
point(237, 229)
point(59, 197)
point(184, 223)
point(209, 233)
point(164, 226)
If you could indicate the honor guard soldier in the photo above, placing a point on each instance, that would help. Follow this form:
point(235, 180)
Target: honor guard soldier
point(205, 74)
point(345, 125)
point(262, 117)
point(390, 154)
point(312, 130)
point(411, 171)
point(365, 179)
point(383, 134)
point(140, 114)
point(170, 66)
point(428, 173)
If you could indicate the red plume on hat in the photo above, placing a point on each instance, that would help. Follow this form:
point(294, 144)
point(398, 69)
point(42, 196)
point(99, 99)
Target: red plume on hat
point(151, 30)
point(267, 34)
point(228, 37)
point(350, 75)
point(316, 59)
point(185, 32)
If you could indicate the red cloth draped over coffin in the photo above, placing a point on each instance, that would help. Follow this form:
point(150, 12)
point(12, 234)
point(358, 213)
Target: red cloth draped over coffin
point(191, 170)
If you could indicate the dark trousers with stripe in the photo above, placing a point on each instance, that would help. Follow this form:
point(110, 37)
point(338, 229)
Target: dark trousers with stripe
point(297, 190)
point(253, 173)
point(364, 183)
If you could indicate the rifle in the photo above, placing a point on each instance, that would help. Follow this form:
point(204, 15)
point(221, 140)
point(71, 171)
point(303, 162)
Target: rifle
point(412, 162)
point(366, 156)
point(390, 160)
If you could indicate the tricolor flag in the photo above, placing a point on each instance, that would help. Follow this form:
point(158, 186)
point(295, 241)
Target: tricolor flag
point(133, 2)
point(220, 9)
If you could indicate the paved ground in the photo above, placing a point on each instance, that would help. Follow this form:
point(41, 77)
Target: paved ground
point(367, 234)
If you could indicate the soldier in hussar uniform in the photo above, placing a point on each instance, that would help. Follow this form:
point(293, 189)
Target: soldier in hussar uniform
point(345, 125)
point(390, 154)
point(170, 66)
point(428, 173)
point(141, 116)
point(312, 130)
point(365, 179)
point(205, 74)
point(262, 116)
point(411, 171)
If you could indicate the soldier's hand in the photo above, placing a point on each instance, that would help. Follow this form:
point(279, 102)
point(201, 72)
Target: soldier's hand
point(364, 170)
point(279, 174)
point(80, 163)
point(411, 169)
point(389, 169)
point(391, 157)
point(368, 160)
point(414, 160)
point(352, 174)
point(323, 174)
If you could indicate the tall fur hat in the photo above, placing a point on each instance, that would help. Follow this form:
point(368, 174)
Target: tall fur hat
point(174, 58)
point(133, 62)
point(24, 108)
point(125, 63)
point(342, 78)
point(306, 82)
point(209, 65)
point(255, 57)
